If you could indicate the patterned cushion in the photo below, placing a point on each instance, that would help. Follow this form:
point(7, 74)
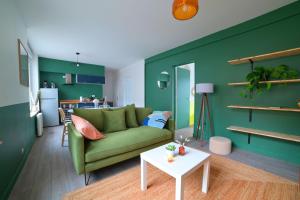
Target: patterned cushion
point(158, 119)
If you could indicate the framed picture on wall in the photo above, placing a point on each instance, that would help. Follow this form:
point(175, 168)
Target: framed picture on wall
point(23, 64)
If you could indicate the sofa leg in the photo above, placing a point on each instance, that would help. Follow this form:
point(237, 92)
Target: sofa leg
point(86, 179)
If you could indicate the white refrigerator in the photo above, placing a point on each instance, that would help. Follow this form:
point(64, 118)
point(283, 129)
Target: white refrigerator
point(49, 106)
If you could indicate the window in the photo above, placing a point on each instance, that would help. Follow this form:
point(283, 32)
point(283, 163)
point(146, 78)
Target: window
point(34, 104)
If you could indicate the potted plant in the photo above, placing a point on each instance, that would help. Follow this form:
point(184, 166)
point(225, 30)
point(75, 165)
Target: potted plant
point(259, 74)
point(182, 141)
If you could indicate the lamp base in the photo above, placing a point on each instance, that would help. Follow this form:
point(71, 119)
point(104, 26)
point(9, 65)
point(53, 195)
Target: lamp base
point(202, 116)
point(203, 143)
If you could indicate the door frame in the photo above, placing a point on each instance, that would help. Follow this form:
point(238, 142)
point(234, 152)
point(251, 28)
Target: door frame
point(174, 89)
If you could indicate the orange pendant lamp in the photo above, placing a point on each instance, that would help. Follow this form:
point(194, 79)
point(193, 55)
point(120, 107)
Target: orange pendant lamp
point(185, 9)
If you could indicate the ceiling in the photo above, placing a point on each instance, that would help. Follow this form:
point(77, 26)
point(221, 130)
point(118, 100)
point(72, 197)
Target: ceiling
point(116, 33)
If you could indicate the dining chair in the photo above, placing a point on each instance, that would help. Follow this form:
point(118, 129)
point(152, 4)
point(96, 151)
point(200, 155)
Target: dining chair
point(65, 120)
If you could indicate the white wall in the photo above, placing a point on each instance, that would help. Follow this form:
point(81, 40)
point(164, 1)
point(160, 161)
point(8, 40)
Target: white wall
point(130, 85)
point(12, 28)
point(109, 86)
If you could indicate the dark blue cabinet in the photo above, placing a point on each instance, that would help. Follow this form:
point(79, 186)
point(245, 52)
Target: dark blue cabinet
point(88, 79)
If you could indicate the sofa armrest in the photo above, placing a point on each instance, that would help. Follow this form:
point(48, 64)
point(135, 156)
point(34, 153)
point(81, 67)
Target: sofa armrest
point(171, 126)
point(76, 147)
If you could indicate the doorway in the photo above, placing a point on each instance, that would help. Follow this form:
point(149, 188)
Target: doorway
point(185, 99)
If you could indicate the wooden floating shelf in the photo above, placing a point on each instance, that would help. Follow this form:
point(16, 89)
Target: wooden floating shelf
point(265, 108)
point(282, 136)
point(264, 82)
point(277, 54)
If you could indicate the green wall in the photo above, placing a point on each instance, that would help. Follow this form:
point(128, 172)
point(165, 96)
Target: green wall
point(17, 130)
point(274, 31)
point(54, 70)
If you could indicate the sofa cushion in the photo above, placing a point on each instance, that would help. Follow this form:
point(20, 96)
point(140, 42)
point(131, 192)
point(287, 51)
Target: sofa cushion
point(141, 114)
point(125, 141)
point(94, 116)
point(114, 120)
point(157, 119)
point(86, 128)
point(131, 121)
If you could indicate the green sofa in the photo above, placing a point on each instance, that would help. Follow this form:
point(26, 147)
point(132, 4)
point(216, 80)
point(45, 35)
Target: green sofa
point(117, 146)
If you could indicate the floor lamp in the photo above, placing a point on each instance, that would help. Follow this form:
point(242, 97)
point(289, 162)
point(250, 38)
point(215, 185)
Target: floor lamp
point(204, 89)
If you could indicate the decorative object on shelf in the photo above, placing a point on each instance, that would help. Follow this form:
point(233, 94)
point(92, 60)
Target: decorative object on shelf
point(204, 89)
point(23, 64)
point(170, 152)
point(96, 103)
point(182, 141)
point(299, 103)
point(262, 74)
point(77, 63)
point(163, 80)
point(45, 84)
point(53, 84)
point(185, 9)
point(68, 78)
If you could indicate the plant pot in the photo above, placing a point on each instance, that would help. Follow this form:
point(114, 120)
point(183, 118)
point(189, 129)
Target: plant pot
point(170, 153)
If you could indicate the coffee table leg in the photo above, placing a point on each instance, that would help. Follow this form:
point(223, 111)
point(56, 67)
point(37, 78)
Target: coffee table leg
point(205, 180)
point(143, 175)
point(179, 188)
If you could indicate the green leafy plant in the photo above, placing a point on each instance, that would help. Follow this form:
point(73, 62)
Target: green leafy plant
point(259, 74)
point(171, 147)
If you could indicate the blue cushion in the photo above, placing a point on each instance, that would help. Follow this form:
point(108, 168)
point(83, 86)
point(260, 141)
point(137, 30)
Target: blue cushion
point(157, 119)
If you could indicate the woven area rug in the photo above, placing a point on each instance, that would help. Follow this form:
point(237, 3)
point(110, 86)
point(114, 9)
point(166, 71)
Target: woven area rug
point(229, 180)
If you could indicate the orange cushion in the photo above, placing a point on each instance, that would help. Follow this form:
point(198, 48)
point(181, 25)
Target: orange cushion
point(86, 128)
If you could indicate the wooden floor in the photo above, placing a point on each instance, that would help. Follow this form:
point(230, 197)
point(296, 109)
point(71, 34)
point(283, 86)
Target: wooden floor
point(229, 180)
point(49, 173)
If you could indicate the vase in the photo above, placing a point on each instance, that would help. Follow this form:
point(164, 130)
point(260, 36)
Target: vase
point(181, 150)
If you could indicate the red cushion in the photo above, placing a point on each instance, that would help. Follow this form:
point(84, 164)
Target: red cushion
point(86, 128)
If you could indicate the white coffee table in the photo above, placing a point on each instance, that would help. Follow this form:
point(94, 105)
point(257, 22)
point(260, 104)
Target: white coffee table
point(181, 167)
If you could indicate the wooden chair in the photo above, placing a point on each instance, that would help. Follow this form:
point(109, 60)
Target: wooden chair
point(65, 122)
